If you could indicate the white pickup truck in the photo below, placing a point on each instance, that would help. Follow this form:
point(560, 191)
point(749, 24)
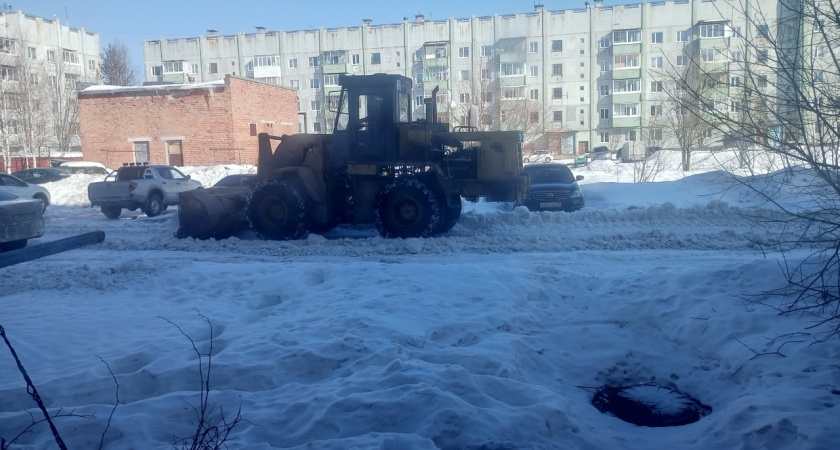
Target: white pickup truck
point(150, 188)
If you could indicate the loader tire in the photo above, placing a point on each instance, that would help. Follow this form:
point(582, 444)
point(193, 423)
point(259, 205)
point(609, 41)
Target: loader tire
point(451, 214)
point(112, 212)
point(277, 210)
point(407, 208)
point(154, 205)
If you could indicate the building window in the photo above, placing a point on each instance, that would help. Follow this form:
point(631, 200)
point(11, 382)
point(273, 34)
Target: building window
point(294, 84)
point(173, 66)
point(418, 100)
point(630, 135)
point(604, 42)
point(8, 73)
point(141, 152)
point(214, 68)
point(762, 81)
point(51, 55)
point(605, 137)
point(486, 51)
point(535, 94)
point(626, 110)
point(464, 75)
point(656, 62)
point(91, 64)
point(626, 36)
point(513, 92)
point(734, 81)
point(463, 52)
point(331, 79)
point(708, 54)
point(487, 97)
point(625, 61)
point(764, 31)
point(656, 37)
point(376, 58)
point(313, 61)
point(316, 127)
point(157, 71)
point(557, 69)
point(418, 77)
point(628, 85)
point(464, 97)
point(605, 65)
point(762, 55)
point(737, 56)
point(332, 57)
point(314, 83)
point(511, 69)
point(655, 110)
point(533, 47)
point(557, 93)
point(733, 106)
point(682, 60)
point(355, 58)
point(486, 74)
point(71, 81)
point(293, 63)
point(8, 46)
point(558, 116)
point(534, 71)
point(656, 134)
point(604, 89)
point(557, 46)
point(315, 105)
point(31, 52)
point(266, 61)
point(656, 86)
point(70, 57)
point(682, 36)
point(713, 30)
point(605, 113)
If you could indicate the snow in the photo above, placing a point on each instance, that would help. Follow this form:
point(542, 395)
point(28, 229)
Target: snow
point(495, 335)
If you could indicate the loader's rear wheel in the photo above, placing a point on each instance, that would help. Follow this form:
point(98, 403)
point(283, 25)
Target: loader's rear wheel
point(277, 209)
point(112, 212)
point(407, 208)
point(451, 214)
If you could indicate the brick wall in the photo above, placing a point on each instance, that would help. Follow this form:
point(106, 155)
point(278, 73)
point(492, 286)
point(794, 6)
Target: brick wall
point(212, 122)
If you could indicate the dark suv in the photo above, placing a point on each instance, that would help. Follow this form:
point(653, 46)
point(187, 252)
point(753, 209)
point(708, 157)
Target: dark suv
point(553, 188)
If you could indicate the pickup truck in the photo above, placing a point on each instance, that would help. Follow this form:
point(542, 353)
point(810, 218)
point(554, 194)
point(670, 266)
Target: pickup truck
point(149, 187)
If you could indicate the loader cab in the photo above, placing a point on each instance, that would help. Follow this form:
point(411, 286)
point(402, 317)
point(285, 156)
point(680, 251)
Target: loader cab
point(370, 109)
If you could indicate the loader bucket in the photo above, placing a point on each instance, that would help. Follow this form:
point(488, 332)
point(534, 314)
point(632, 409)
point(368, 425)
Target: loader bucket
point(212, 213)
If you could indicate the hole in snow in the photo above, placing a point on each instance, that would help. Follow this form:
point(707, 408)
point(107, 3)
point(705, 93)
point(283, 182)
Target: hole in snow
point(649, 405)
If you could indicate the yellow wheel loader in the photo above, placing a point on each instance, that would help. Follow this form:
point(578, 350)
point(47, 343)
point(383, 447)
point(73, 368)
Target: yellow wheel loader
point(378, 166)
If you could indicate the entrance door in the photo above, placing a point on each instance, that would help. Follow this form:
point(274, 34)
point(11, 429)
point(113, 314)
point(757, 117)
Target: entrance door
point(175, 152)
point(583, 147)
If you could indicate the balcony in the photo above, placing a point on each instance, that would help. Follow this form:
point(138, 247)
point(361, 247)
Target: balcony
point(512, 57)
point(266, 72)
point(627, 49)
point(335, 68)
point(512, 80)
point(436, 62)
point(626, 97)
point(627, 122)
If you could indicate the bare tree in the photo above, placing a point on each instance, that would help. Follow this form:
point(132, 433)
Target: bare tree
point(787, 105)
point(30, 109)
point(64, 109)
point(116, 66)
point(8, 123)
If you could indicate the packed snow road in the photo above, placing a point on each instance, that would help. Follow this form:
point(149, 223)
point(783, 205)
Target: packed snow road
point(483, 228)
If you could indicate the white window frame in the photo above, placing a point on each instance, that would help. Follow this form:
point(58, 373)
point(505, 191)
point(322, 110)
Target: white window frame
point(627, 85)
point(626, 110)
point(656, 37)
point(331, 79)
point(682, 36)
point(511, 69)
point(463, 52)
point(712, 30)
point(633, 36)
point(626, 61)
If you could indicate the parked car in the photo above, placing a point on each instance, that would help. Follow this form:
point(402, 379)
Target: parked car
point(41, 175)
point(21, 219)
point(242, 179)
point(85, 167)
point(553, 188)
point(539, 156)
point(23, 189)
point(150, 188)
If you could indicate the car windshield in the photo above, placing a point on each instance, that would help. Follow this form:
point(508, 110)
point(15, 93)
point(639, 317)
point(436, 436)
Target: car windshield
point(551, 175)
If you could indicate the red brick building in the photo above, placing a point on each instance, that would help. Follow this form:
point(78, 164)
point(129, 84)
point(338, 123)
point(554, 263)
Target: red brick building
point(183, 124)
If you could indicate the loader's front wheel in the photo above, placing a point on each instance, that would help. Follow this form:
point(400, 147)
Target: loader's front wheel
point(277, 210)
point(407, 208)
point(450, 214)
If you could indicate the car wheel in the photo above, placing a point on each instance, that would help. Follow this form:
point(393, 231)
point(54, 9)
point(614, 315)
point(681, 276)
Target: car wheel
point(277, 209)
point(407, 208)
point(12, 245)
point(548, 159)
point(154, 205)
point(111, 212)
point(43, 199)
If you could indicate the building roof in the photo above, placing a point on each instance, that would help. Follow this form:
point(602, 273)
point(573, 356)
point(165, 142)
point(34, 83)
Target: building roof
point(150, 89)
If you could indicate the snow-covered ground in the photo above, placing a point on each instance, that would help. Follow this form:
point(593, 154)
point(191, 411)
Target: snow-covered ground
point(493, 336)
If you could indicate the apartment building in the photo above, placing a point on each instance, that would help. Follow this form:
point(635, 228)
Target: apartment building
point(573, 79)
point(41, 64)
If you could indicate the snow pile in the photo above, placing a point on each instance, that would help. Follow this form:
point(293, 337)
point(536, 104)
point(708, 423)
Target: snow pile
point(495, 335)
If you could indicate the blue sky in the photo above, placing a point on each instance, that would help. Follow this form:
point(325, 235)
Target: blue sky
point(133, 21)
